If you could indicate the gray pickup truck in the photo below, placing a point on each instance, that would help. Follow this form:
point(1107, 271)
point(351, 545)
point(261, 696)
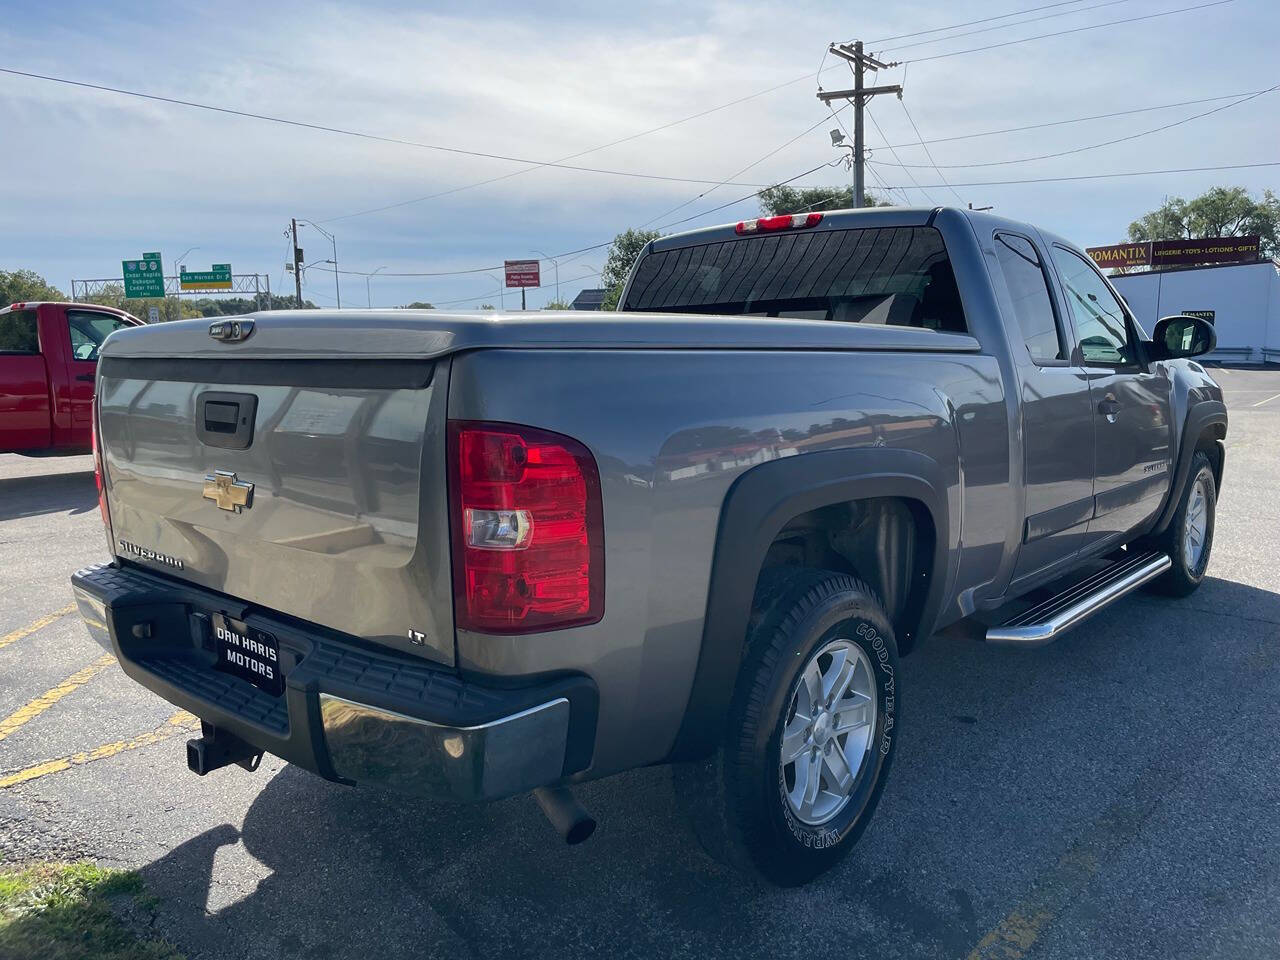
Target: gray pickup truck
point(472, 556)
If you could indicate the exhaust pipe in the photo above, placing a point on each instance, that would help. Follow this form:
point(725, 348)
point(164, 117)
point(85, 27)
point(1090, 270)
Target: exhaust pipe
point(216, 749)
point(566, 814)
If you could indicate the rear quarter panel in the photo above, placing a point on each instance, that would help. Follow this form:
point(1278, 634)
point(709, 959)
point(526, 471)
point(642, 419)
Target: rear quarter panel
point(671, 431)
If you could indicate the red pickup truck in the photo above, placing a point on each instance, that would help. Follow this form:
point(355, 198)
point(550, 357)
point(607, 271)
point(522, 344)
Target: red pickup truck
point(48, 358)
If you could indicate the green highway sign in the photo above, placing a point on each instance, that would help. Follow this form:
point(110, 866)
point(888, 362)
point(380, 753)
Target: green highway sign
point(145, 277)
point(218, 277)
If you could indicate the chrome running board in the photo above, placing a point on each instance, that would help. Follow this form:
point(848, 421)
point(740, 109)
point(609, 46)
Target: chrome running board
point(1047, 621)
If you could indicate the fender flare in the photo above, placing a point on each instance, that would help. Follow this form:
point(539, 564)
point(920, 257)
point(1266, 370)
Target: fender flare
point(756, 507)
point(1200, 417)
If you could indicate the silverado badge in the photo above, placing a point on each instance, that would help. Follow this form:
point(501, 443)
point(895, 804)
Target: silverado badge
point(227, 492)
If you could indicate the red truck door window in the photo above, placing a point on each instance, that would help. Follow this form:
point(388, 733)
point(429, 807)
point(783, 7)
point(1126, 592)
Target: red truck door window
point(87, 329)
point(24, 384)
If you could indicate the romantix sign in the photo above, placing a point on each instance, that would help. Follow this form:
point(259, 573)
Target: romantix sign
point(1169, 253)
point(1172, 253)
point(1121, 255)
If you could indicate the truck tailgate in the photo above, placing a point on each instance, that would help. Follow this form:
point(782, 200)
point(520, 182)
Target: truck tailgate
point(315, 488)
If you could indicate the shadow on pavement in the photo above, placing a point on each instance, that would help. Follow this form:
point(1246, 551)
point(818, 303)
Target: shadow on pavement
point(72, 493)
point(1016, 758)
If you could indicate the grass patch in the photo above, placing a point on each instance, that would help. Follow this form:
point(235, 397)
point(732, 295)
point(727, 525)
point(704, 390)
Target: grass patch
point(63, 911)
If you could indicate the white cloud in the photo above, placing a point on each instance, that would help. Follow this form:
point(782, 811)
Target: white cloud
point(92, 177)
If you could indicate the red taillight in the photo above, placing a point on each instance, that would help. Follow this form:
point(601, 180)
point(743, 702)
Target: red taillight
point(528, 529)
point(98, 478)
point(797, 221)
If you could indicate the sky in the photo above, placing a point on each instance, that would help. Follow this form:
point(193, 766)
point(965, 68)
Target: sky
point(89, 178)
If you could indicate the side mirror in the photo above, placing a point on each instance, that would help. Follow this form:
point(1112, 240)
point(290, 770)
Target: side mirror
point(1182, 336)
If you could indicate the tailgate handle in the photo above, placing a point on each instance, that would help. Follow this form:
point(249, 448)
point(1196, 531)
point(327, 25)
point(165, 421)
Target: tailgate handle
point(226, 419)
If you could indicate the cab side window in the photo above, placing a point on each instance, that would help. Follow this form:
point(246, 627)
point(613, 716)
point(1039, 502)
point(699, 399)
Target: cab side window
point(1100, 318)
point(1029, 290)
point(18, 332)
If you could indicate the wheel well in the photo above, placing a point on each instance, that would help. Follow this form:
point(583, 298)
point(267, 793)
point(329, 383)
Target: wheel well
point(888, 542)
point(1210, 441)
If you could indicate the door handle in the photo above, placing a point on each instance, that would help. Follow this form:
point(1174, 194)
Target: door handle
point(85, 377)
point(1109, 407)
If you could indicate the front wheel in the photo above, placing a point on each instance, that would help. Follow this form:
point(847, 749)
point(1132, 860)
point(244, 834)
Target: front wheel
point(811, 731)
point(1189, 539)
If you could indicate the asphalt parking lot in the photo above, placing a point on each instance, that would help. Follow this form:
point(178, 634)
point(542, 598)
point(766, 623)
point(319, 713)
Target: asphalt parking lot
point(1114, 795)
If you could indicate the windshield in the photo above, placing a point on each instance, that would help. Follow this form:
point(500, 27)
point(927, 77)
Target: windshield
point(898, 276)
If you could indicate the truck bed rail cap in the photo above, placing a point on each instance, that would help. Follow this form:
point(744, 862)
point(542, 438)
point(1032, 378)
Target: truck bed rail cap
point(401, 334)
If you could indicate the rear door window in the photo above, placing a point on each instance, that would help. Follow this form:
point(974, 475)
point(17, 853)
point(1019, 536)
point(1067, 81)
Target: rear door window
point(897, 276)
point(1029, 290)
point(88, 329)
point(18, 332)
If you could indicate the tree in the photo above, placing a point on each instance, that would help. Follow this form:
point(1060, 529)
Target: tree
point(486, 306)
point(558, 305)
point(19, 286)
point(780, 199)
point(235, 306)
point(1219, 212)
point(419, 305)
point(622, 256)
point(112, 295)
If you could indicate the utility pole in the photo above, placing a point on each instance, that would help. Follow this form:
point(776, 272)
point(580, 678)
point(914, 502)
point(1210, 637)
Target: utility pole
point(858, 96)
point(297, 262)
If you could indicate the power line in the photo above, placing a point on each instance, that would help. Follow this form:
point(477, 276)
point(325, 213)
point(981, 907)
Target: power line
point(792, 82)
point(1006, 26)
point(970, 23)
point(910, 176)
point(1096, 116)
point(594, 246)
point(1097, 176)
point(324, 128)
point(1063, 33)
point(1074, 150)
point(936, 168)
point(732, 176)
point(572, 156)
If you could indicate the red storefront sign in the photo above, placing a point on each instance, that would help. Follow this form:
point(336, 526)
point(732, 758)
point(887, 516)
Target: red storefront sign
point(522, 273)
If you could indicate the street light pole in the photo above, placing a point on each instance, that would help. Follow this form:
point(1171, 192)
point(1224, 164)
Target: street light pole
point(556, 264)
point(502, 288)
point(337, 291)
point(367, 295)
point(177, 281)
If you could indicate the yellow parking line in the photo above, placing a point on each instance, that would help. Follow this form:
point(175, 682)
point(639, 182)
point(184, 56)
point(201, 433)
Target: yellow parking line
point(180, 722)
point(29, 711)
point(31, 628)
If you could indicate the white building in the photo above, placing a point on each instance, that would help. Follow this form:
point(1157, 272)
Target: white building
point(1244, 300)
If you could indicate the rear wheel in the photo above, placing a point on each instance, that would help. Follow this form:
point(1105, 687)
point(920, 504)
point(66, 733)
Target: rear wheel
point(1189, 538)
point(811, 733)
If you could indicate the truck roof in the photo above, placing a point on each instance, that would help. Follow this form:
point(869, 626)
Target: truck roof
point(29, 304)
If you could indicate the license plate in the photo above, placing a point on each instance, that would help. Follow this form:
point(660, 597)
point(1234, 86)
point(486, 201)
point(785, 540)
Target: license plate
point(250, 654)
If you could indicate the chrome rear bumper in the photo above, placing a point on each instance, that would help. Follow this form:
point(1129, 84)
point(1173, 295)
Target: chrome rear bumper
point(351, 711)
point(506, 756)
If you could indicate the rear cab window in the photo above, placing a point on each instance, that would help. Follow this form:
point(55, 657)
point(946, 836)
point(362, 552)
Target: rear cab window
point(1024, 276)
point(18, 333)
point(895, 276)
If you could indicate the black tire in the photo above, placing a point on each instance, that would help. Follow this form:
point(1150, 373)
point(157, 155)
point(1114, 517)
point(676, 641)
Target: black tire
point(1183, 578)
point(738, 796)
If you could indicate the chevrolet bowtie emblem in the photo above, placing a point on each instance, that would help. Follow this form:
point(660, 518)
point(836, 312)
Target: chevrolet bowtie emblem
point(227, 492)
